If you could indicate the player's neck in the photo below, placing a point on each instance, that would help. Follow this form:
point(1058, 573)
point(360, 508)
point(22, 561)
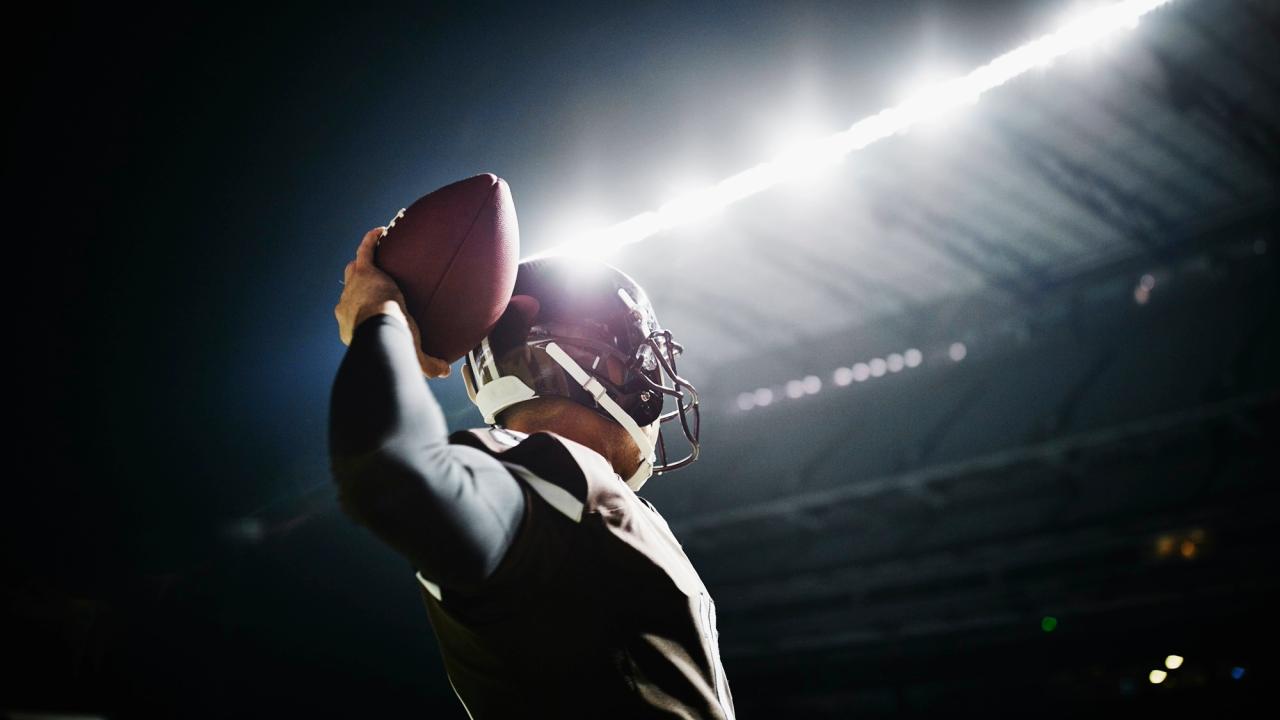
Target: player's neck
point(588, 429)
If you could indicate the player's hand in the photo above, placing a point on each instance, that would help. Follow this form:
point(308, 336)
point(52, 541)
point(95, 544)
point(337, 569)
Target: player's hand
point(366, 291)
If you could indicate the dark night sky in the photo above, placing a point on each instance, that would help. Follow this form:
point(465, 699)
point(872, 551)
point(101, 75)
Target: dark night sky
point(190, 183)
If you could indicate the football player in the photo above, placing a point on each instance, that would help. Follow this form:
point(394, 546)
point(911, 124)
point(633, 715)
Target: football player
point(553, 589)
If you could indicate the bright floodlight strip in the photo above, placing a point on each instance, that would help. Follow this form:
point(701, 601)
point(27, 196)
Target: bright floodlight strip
point(843, 376)
point(931, 102)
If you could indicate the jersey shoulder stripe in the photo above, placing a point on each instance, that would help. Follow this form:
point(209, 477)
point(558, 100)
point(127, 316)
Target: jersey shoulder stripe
point(567, 465)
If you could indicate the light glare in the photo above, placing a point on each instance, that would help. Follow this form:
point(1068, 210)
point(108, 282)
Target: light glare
point(927, 104)
point(842, 376)
point(861, 372)
point(878, 367)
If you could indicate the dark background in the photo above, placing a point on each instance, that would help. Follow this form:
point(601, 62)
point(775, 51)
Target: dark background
point(186, 184)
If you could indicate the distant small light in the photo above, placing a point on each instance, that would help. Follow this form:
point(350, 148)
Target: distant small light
point(1173, 662)
point(1049, 623)
point(1188, 549)
point(878, 367)
point(861, 372)
point(764, 396)
point(1157, 676)
point(746, 401)
point(812, 384)
point(842, 376)
point(245, 530)
point(1237, 673)
point(1147, 281)
point(896, 363)
point(795, 389)
point(1141, 295)
point(913, 357)
point(1165, 545)
point(957, 351)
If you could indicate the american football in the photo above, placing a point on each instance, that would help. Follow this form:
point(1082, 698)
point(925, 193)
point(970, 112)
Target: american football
point(453, 253)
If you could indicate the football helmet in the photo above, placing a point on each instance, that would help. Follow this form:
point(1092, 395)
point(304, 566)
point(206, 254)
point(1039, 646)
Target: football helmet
point(569, 322)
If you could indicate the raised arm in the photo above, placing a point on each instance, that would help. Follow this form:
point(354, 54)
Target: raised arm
point(451, 510)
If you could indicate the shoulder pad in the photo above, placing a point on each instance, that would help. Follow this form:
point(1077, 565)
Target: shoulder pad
point(577, 469)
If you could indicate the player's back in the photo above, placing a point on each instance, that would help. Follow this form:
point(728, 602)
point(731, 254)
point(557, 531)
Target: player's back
point(595, 611)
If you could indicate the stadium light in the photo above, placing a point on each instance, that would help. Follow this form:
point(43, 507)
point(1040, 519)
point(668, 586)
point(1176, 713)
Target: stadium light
point(861, 372)
point(934, 101)
point(842, 376)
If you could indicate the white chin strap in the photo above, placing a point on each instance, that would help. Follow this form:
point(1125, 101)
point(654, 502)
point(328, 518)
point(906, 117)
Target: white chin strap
point(492, 397)
point(601, 395)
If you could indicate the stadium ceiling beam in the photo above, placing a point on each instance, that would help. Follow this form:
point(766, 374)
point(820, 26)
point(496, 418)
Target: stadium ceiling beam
point(1135, 86)
point(1000, 460)
point(808, 269)
point(1131, 216)
point(916, 227)
point(1233, 122)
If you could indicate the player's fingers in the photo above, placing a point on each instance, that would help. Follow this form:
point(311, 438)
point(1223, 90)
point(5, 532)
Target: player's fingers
point(342, 326)
point(439, 368)
point(433, 367)
point(372, 234)
point(364, 253)
point(346, 272)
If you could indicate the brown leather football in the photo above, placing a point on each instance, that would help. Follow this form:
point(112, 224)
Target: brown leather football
point(454, 253)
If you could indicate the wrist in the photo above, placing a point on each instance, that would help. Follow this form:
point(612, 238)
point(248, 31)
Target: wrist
point(386, 307)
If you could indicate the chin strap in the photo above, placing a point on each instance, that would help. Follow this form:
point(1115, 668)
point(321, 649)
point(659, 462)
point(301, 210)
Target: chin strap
point(593, 386)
